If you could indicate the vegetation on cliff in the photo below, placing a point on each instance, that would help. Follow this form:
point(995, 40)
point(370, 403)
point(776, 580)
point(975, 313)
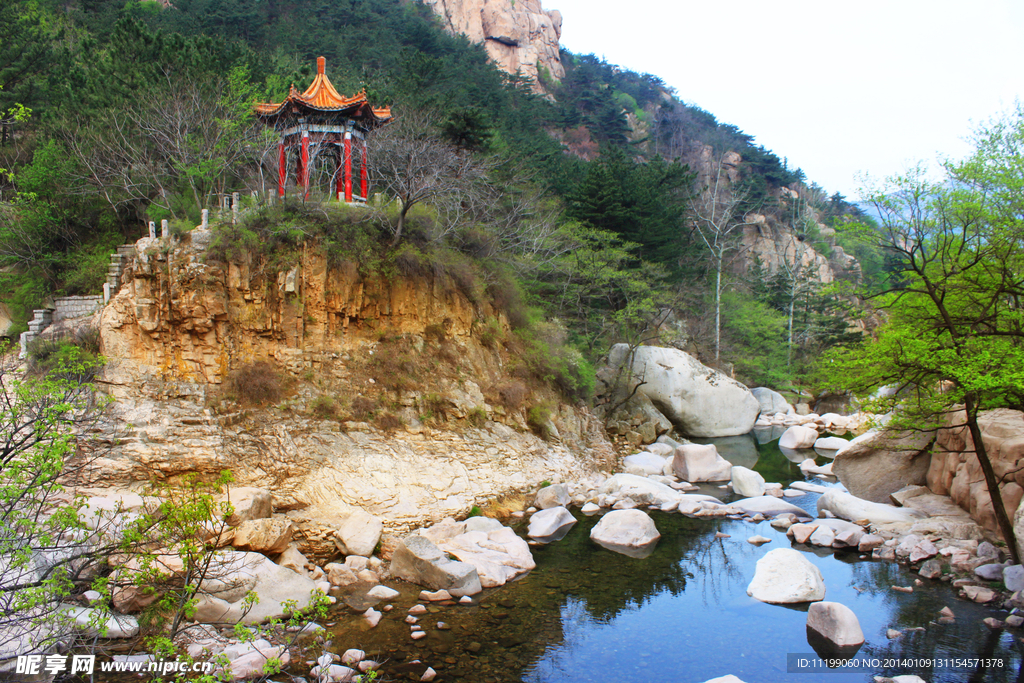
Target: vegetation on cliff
point(140, 112)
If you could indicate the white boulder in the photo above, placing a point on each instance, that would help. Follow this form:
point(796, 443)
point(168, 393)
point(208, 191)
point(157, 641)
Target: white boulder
point(769, 506)
point(848, 506)
point(231, 578)
point(629, 532)
point(747, 482)
point(358, 533)
point(786, 576)
point(418, 560)
point(550, 524)
point(695, 462)
point(700, 401)
point(836, 623)
point(644, 463)
point(797, 437)
point(554, 495)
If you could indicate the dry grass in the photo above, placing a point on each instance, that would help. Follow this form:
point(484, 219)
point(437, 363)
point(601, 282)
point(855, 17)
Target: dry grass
point(256, 384)
point(503, 506)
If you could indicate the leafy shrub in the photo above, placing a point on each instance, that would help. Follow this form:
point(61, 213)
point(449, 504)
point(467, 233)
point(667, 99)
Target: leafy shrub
point(491, 333)
point(389, 422)
point(477, 416)
point(73, 357)
point(363, 408)
point(513, 394)
point(256, 384)
point(434, 332)
point(539, 418)
point(324, 407)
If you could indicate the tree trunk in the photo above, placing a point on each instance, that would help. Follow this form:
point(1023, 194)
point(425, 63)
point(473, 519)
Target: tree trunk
point(1002, 519)
point(400, 226)
point(718, 308)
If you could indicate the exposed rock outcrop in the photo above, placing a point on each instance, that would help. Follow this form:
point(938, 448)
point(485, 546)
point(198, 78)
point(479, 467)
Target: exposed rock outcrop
point(519, 35)
point(873, 467)
point(698, 400)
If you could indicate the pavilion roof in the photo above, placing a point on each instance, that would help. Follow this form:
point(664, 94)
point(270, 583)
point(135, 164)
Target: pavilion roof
point(321, 96)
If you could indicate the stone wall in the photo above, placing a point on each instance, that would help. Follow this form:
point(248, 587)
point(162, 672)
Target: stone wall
point(68, 307)
point(955, 471)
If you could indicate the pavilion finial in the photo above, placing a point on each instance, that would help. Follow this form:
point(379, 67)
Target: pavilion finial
point(321, 65)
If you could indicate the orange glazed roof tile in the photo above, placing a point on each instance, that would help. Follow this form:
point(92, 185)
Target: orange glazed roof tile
point(321, 96)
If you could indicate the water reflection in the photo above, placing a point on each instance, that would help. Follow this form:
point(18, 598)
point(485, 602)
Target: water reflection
point(681, 614)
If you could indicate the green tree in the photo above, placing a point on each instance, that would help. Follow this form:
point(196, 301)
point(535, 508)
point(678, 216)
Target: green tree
point(954, 330)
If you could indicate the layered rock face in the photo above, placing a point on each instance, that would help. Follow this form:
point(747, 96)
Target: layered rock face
point(519, 35)
point(183, 321)
point(954, 470)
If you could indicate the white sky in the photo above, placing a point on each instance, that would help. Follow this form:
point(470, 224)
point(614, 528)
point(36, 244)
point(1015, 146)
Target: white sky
point(837, 88)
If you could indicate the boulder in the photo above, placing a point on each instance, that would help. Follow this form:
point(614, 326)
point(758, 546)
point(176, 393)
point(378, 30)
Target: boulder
point(724, 679)
point(266, 535)
point(769, 506)
point(698, 400)
point(292, 559)
point(835, 623)
point(358, 533)
point(629, 532)
point(785, 576)
point(830, 444)
point(496, 553)
point(770, 401)
point(222, 597)
point(747, 482)
point(420, 561)
point(1013, 578)
point(249, 660)
point(94, 622)
point(822, 536)
point(662, 449)
point(798, 437)
point(873, 466)
point(551, 524)
point(644, 463)
point(640, 490)
point(695, 462)
point(249, 503)
point(848, 506)
point(990, 572)
point(555, 495)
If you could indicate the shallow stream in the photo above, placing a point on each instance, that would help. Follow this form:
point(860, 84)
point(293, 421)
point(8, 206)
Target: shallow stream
point(588, 615)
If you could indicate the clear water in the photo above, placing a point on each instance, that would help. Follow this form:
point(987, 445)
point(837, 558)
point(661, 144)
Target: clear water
point(682, 615)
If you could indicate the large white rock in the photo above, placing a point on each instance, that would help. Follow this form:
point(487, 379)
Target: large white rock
point(785, 576)
point(771, 401)
point(555, 495)
point(640, 490)
point(418, 560)
point(358, 533)
point(247, 503)
point(267, 535)
point(235, 574)
point(769, 506)
point(874, 465)
point(797, 437)
point(550, 524)
point(830, 444)
point(497, 553)
point(836, 623)
point(644, 463)
point(694, 462)
point(747, 482)
point(848, 506)
point(630, 532)
point(698, 400)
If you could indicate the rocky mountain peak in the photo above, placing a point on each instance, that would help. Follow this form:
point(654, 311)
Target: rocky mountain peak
point(519, 35)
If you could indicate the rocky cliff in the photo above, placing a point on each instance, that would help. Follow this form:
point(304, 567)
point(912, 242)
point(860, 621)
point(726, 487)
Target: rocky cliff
point(520, 36)
point(390, 401)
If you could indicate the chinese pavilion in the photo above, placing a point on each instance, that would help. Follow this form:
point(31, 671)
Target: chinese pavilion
point(317, 128)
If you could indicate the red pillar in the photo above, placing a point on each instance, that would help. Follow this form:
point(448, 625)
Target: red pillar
point(339, 174)
point(305, 164)
point(364, 182)
point(348, 167)
point(282, 168)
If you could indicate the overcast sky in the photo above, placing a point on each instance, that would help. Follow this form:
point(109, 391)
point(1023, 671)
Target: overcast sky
point(837, 88)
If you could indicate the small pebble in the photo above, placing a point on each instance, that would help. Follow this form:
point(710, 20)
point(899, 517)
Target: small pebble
point(892, 634)
point(416, 635)
point(903, 589)
point(417, 609)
